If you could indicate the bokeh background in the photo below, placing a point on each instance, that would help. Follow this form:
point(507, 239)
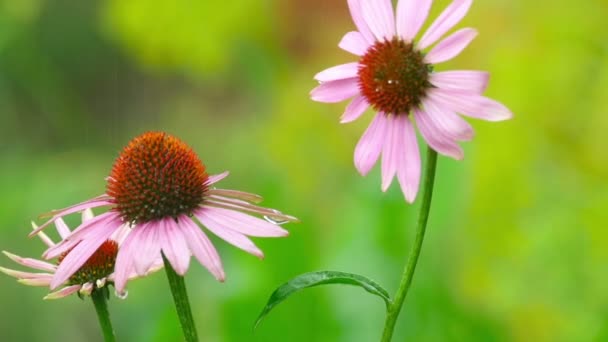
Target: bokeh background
point(516, 248)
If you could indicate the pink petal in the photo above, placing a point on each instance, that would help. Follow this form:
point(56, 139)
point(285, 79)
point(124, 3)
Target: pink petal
point(338, 72)
point(33, 263)
point(355, 43)
point(379, 16)
point(244, 223)
point(370, 145)
point(475, 106)
point(238, 205)
point(87, 214)
point(174, 246)
point(451, 47)
point(62, 228)
point(124, 266)
point(98, 222)
point(335, 91)
point(446, 20)
point(25, 275)
point(64, 292)
point(236, 239)
point(45, 239)
point(357, 14)
point(147, 242)
point(435, 138)
point(463, 80)
point(236, 194)
point(92, 203)
point(202, 248)
point(82, 252)
point(216, 178)
point(390, 153)
point(450, 124)
point(40, 281)
point(411, 14)
point(355, 109)
point(408, 167)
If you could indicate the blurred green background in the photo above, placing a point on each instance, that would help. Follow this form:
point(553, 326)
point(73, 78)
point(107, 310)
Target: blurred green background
point(516, 245)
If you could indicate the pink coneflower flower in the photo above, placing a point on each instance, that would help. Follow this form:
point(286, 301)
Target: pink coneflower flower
point(160, 188)
point(396, 78)
point(95, 273)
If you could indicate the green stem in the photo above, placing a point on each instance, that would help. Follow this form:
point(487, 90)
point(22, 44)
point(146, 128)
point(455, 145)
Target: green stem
point(100, 297)
point(182, 304)
point(406, 280)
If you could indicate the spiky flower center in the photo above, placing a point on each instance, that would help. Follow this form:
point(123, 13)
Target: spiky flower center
point(393, 76)
point(156, 176)
point(98, 266)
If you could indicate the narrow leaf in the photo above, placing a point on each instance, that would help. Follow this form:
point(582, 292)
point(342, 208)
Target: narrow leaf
point(312, 279)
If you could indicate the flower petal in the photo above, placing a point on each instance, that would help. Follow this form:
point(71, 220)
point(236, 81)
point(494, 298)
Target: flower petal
point(244, 223)
point(64, 292)
point(475, 106)
point(216, 178)
point(147, 239)
point(411, 14)
point(92, 203)
point(124, 266)
point(446, 20)
point(450, 124)
point(390, 153)
point(355, 43)
point(234, 238)
point(451, 46)
point(357, 14)
point(370, 145)
point(380, 19)
point(33, 263)
point(338, 72)
point(435, 138)
point(82, 252)
point(408, 167)
point(174, 246)
point(202, 248)
point(464, 80)
point(354, 109)
point(335, 91)
point(62, 228)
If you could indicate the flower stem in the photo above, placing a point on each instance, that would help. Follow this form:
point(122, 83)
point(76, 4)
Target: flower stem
point(182, 304)
point(406, 280)
point(100, 297)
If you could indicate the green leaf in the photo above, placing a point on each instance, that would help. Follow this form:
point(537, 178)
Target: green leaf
point(312, 279)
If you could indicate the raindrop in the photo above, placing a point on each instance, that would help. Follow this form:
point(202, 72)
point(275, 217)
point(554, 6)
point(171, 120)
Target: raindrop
point(276, 219)
point(121, 295)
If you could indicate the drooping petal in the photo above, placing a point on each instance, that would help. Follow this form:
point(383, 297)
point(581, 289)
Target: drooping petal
point(148, 246)
point(174, 246)
point(33, 263)
point(338, 72)
point(87, 214)
point(356, 13)
point(56, 214)
point(25, 275)
point(216, 178)
point(450, 124)
point(380, 19)
point(64, 292)
point(390, 153)
point(335, 91)
point(45, 238)
point(202, 248)
point(232, 237)
point(82, 252)
point(435, 138)
point(446, 20)
point(461, 80)
point(124, 267)
point(408, 167)
point(370, 145)
point(39, 281)
point(355, 43)
point(62, 228)
point(244, 223)
point(451, 47)
point(411, 14)
point(355, 109)
point(475, 106)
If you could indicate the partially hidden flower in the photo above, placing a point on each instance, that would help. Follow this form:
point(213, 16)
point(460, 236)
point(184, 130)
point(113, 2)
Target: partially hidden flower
point(159, 187)
point(395, 76)
point(95, 273)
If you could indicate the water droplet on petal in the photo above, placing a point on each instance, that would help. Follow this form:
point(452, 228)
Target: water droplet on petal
point(121, 295)
point(278, 220)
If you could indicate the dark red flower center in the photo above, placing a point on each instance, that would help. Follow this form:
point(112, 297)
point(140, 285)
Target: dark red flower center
point(156, 176)
point(98, 266)
point(393, 76)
